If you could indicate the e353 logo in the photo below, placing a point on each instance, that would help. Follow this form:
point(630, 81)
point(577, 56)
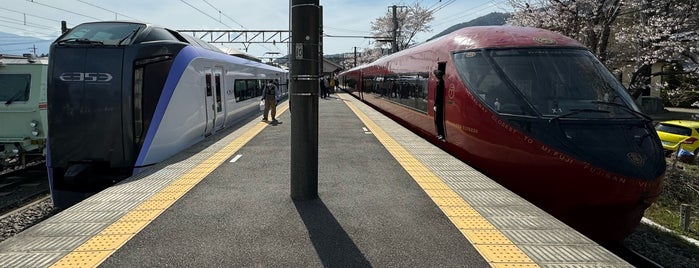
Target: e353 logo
point(85, 77)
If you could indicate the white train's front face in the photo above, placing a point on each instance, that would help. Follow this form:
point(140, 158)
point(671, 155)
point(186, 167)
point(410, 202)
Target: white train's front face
point(123, 96)
point(103, 91)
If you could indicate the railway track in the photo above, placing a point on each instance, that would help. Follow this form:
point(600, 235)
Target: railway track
point(632, 257)
point(19, 187)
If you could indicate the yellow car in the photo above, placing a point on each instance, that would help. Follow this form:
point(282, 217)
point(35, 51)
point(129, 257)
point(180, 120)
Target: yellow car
point(676, 133)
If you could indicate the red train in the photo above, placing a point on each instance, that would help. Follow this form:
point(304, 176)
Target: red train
point(534, 110)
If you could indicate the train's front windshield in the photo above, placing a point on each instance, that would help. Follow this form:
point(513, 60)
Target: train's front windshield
point(553, 83)
point(14, 87)
point(102, 33)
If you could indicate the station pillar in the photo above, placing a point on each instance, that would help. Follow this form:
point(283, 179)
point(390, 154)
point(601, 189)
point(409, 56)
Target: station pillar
point(303, 100)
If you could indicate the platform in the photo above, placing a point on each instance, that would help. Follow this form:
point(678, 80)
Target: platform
point(387, 198)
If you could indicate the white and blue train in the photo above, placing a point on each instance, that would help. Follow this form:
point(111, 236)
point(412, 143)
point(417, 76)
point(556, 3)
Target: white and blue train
point(126, 95)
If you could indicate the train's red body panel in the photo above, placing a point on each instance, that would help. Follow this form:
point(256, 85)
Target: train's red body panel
point(523, 152)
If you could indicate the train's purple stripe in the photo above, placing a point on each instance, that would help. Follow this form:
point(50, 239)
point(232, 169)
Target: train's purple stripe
point(184, 57)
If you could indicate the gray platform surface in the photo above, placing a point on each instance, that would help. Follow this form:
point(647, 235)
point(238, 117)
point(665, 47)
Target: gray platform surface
point(370, 211)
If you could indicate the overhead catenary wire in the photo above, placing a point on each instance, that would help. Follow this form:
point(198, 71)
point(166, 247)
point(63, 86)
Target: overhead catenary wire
point(115, 13)
point(205, 14)
point(30, 31)
point(61, 9)
point(223, 14)
point(30, 15)
point(23, 23)
point(472, 11)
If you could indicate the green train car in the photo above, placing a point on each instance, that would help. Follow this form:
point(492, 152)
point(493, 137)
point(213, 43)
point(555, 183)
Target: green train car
point(23, 123)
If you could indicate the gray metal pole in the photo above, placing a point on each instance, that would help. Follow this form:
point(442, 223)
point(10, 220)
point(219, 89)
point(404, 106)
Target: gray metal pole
point(394, 47)
point(303, 100)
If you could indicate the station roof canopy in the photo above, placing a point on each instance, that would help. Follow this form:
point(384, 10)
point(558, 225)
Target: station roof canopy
point(330, 67)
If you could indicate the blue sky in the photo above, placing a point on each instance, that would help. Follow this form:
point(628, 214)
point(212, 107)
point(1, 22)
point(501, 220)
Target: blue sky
point(41, 18)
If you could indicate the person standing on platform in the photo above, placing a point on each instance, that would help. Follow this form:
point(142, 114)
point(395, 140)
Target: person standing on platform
point(332, 86)
point(322, 88)
point(270, 98)
point(326, 85)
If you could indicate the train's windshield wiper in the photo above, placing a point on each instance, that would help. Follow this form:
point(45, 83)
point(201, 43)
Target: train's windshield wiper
point(577, 111)
point(625, 108)
point(79, 41)
point(127, 36)
point(14, 97)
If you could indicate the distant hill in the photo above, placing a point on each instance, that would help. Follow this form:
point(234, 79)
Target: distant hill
point(18, 45)
point(494, 18)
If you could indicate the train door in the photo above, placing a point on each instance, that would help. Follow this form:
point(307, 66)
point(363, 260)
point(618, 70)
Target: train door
point(219, 119)
point(439, 101)
point(209, 105)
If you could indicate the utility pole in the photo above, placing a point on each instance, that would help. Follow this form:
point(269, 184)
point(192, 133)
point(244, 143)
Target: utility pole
point(355, 57)
point(320, 44)
point(394, 46)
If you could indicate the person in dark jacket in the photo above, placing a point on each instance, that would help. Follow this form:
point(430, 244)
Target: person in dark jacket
point(270, 98)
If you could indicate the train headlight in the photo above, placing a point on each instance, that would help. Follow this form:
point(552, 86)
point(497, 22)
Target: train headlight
point(35, 132)
point(33, 123)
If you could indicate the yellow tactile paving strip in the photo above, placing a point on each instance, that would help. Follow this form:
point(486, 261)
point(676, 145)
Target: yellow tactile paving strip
point(98, 248)
point(497, 249)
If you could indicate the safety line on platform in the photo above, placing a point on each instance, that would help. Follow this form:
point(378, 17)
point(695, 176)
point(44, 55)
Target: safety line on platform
point(98, 248)
point(493, 245)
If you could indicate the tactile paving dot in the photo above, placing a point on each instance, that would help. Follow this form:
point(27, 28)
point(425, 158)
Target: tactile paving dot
point(140, 215)
point(461, 211)
point(124, 227)
point(449, 201)
point(471, 223)
point(433, 185)
point(486, 236)
point(441, 193)
point(503, 253)
point(82, 259)
point(103, 242)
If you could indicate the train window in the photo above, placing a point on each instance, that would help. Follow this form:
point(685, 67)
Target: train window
point(157, 34)
point(14, 87)
point(152, 80)
point(217, 80)
point(138, 104)
point(106, 33)
point(551, 82)
point(407, 89)
point(485, 80)
point(200, 43)
point(209, 93)
point(239, 87)
point(248, 88)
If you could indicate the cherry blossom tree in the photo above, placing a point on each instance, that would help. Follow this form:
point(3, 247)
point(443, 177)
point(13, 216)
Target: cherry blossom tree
point(367, 55)
point(628, 34)
point(659, 32)
point(588, 21)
